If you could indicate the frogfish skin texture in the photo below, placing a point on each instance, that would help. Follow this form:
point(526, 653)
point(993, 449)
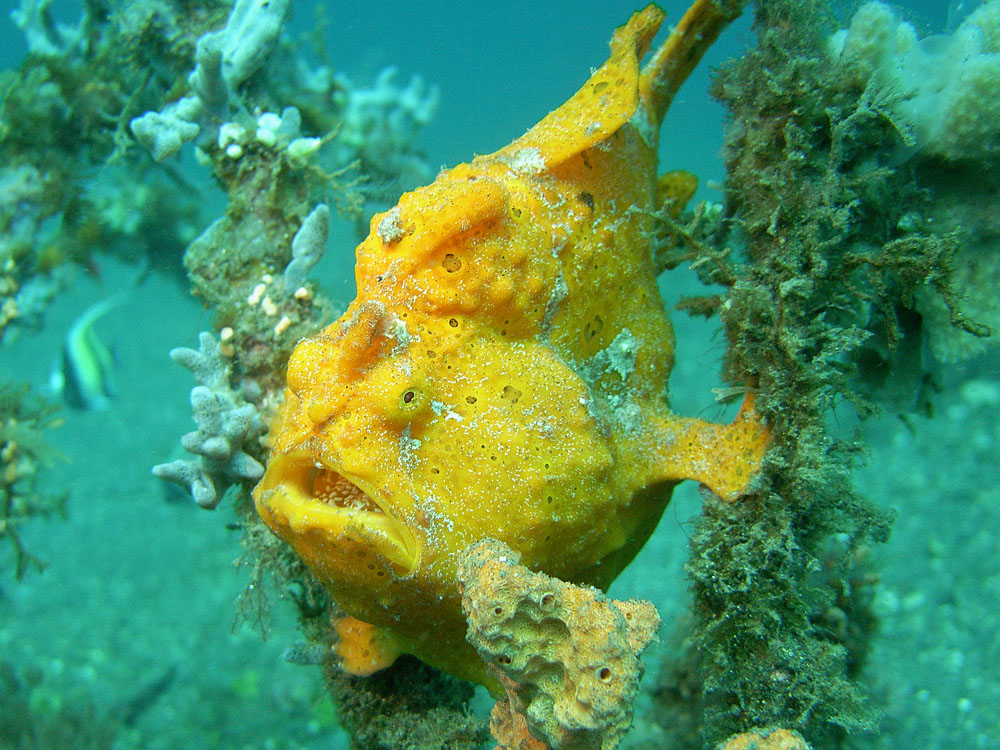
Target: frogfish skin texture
point(502, 372)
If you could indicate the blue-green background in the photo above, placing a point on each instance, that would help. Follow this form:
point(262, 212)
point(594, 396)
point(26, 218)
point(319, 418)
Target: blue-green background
point(138, 585)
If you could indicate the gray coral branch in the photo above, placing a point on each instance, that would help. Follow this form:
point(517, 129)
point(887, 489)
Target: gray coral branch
point(224, 60)
point(226, 421)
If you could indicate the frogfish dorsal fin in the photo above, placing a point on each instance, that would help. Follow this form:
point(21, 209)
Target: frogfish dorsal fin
point(605, 102)
point(618, 90)
point(673, 62)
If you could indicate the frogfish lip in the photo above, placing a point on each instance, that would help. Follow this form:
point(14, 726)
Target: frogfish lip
point(300, 495)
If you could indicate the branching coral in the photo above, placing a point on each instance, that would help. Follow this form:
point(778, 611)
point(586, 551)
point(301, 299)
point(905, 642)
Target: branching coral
point(308, 245)
point(226, 424)
point(380, 126)
point(45, 37)
point(225, 59)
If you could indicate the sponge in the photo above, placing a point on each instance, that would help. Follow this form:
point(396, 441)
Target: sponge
point(944, 89)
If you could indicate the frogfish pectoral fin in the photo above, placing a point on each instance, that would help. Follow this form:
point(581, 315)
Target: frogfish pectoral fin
point(724, 458)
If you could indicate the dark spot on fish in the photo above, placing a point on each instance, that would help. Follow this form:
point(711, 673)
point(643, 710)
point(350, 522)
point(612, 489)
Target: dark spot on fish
point(586, 198)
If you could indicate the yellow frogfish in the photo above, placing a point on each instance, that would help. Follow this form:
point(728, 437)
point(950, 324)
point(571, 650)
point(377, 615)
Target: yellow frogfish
point(502, 373)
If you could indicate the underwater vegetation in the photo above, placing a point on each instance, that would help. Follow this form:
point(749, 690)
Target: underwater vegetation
point(24, 456)
point(73, 183)
point(446, 475)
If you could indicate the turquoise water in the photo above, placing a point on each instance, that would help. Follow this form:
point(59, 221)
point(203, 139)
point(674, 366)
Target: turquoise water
point(138, 596)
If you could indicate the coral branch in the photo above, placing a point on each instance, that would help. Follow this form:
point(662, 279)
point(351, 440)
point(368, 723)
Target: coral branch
point(225, 423)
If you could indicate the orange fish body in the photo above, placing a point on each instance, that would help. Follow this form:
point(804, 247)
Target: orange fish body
point(502, 372)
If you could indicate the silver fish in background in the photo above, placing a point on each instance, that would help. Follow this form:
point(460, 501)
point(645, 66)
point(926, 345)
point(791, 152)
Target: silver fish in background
point(83, 376)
